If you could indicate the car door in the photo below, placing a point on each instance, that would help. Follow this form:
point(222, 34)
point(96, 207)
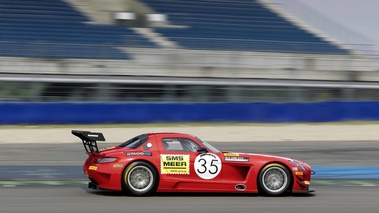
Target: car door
point(181, 163)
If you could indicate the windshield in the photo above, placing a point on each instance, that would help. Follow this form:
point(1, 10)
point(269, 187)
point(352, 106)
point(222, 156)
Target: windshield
point(135, 142)
point(212, 148)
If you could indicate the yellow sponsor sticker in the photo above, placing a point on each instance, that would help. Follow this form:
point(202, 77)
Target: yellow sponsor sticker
point(118, 165)
point(92, 168)
point(231, 154)
point(307, 182)
point(175, 164)
point(299, 173)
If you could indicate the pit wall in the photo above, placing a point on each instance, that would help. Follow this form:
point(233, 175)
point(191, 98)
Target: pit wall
point(96, 113)
point(210, 64)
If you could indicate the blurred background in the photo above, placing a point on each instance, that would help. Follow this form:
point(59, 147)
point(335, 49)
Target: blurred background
point(240, 60)
point(145, 61)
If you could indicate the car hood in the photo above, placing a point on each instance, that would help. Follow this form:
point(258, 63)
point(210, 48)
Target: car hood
point(255, 155)
point(267, 156)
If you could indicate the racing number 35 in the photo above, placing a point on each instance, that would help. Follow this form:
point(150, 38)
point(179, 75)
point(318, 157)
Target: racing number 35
point(205, 169)
point(207, 165)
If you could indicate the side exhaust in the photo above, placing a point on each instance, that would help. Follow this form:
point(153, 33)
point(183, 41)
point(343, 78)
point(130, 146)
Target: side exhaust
point(240, 187)
point(92, 185)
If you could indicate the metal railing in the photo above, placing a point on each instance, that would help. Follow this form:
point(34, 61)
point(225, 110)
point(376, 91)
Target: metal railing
point(102, 92)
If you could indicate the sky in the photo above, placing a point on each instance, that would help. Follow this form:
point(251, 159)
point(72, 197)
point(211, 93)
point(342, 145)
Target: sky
point(361, 16)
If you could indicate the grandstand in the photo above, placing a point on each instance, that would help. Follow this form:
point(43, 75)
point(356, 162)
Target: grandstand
point(236, 25)
point(205, 50)
point(54, 29)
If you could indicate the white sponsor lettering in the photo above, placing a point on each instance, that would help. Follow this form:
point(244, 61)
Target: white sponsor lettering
point(237, 159)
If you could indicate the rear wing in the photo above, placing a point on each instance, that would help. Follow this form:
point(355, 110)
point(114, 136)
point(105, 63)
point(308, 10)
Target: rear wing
point(89, 139)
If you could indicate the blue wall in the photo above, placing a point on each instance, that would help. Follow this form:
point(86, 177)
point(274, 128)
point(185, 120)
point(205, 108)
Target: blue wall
point(88, 113)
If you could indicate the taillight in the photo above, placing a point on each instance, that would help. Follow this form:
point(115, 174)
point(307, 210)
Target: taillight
point(105, 160)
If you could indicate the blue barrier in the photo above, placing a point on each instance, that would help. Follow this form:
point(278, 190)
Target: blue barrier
point(90, 113)
point(349, 172)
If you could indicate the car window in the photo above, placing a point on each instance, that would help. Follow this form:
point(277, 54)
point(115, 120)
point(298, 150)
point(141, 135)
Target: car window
point(179, 144)
point(212, 148)
point(135, 142)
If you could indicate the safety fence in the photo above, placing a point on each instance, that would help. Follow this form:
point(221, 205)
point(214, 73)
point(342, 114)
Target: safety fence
point(96, 113)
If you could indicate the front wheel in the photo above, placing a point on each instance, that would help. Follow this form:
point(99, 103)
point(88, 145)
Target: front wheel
point(274, 179)
point(139, 179)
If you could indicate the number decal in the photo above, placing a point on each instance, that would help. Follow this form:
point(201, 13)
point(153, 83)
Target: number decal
point(215, 166)
point(207, 165)
point(202, 165)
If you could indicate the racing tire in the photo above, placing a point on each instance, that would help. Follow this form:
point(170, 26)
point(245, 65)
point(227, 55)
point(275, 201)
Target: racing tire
point(139, 179)
point(274, 180)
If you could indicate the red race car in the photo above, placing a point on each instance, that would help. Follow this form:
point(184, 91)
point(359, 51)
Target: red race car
point(174, 162)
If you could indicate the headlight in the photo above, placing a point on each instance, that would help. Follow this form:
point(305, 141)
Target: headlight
point(301, 167)
point(106, 160)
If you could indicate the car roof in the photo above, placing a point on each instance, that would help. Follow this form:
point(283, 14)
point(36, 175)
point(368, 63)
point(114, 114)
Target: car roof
point(169, 133)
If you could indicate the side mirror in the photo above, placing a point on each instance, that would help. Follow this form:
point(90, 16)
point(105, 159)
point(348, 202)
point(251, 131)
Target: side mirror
point(201, 149)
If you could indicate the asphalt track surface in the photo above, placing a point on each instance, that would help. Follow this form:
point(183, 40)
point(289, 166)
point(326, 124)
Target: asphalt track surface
point(330, 198)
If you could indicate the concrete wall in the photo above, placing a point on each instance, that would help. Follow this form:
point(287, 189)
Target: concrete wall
point(189, 63)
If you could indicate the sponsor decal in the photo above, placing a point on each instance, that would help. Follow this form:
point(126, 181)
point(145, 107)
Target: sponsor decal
point(118, 165)
point(175, 164)
point(294, 169)
point(237, 159)
point(139, 154)
point(103, 149)
point(231, 154)
point(207, 165)
point(307, 182)
point(147, 146)
point(92, 168)
point(92, 135)
point(299, 173)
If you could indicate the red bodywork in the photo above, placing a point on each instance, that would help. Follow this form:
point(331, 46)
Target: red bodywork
point(237, 172)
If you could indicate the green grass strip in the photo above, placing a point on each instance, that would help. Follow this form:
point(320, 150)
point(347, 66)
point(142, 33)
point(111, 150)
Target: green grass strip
point(41, 182)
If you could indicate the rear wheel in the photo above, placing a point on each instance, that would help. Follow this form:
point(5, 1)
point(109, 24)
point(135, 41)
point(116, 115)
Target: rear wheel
point(139, 179)
point(274, 179)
